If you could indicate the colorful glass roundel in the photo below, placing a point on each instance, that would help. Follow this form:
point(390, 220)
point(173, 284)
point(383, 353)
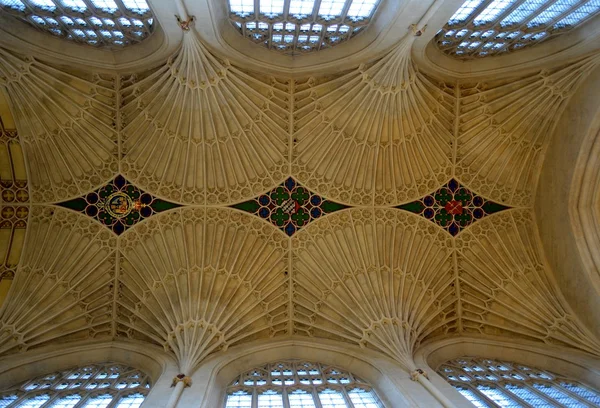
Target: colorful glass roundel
point(453, 207)
point(118, 205)
point(289, 206)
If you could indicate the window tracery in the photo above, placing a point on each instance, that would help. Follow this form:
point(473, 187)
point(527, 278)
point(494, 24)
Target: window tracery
point(302, 26)
point(93, 386)
point(300, 384)
point(491, 383)
point(100, 23)
point(482, 28)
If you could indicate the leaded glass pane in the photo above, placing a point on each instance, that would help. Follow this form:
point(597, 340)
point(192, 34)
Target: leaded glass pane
point(94, 386)
point(239, 399)
point(509, 385)
point(583, 392)
point(301, 399)
point(332, 399)
point(300, 25)
point(67, 402)
point(86, 21)
point(363, 399)
point(270, 399)
point(35, 402)
point(299, 384)
point(557, 395)
point(472, 397)
point(528, 396)
point(482, 28)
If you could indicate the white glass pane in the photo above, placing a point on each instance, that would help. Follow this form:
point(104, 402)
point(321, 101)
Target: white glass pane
point(473, 397)
point(551, 13)
point(100, 401)
point(493, 10)
point(301, 399)
point(34, 402)
point(363, 399)
point(43, 4)
point(6, 400)
point(559, 396)
point(271, 8)
point(361, 8)
point(13, 4)
point(301, 8)
point(465, 11)
point(270, 399)
point(583, 12)
point(583, 392)
point(331, 8)
point(136, 5)
point(105, 5)
point(498, 397)
point(243, 7)
point(524, 11)
point(528, 396)
point(66, 402)
point(332, 399)
point(131, 401)
point(77, 5)
point(239, 399)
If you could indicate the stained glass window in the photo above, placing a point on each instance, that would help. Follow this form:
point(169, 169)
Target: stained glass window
point(482, 28)
point(491, 383)
point(299, 384)
point(296, 26)
point(93, 386)
point(100, 23)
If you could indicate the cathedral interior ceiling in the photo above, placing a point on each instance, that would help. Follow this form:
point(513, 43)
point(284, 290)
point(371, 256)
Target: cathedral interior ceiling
point(254, 206)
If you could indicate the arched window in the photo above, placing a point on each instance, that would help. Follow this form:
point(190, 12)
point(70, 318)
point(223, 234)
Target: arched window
point(492, 383)
point(300, 25)
point(300, 384)
point(108, 23)
point(482, 28)
point(93, 386)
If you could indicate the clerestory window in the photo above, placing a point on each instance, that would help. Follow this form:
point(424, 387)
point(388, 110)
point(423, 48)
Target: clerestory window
point(300, 384)
point(297, 26)
point(499, 384)
point(94, 386)
point(481, 28)
point(100, 23)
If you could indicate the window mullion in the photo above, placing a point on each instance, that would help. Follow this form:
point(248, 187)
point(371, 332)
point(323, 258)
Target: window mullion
point(347, 398)
point(315, 393)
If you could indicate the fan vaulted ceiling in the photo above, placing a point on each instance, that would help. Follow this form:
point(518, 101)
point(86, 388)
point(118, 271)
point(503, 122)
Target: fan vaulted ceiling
point(208, 205)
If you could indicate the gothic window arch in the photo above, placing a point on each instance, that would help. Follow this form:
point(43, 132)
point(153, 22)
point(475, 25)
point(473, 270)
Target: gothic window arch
point(493, 383)
point(100, 23)
point(109, 385)
point(299, 26)
point(481, 28)
point(300, 384)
